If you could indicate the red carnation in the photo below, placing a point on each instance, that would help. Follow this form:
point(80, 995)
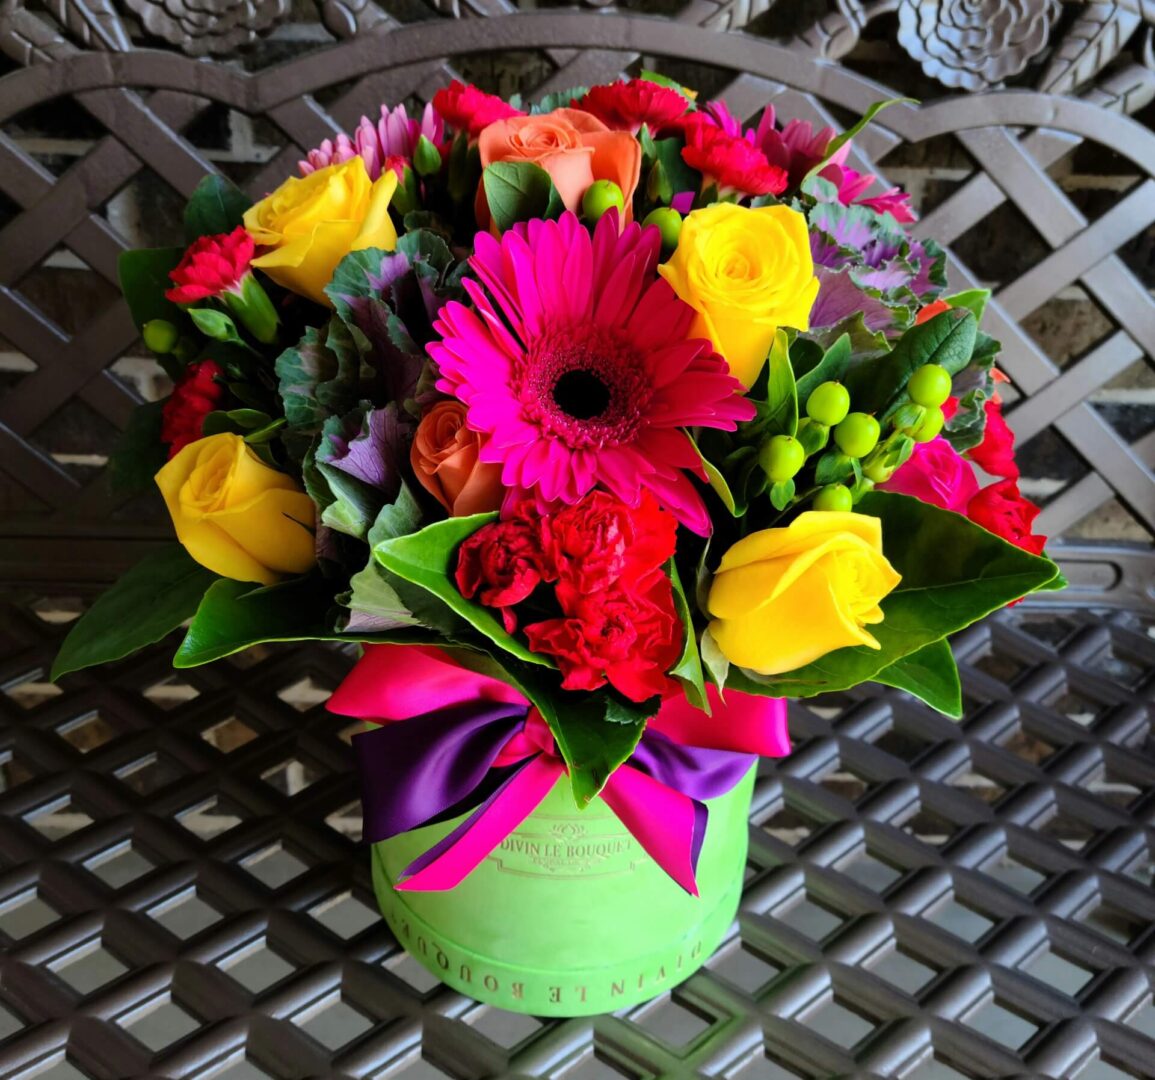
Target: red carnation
point(626, 106)
point(730, 161)
point(501, 564)
point(601, 540)
point(1001, 509)
point(996, 453)
point(211, 266)
point(628, 638)
point(192, 399)
point(468, 109)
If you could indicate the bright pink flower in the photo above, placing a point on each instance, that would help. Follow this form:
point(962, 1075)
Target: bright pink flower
point(626, 106)
point(937, 474)
point(797, 148)
point(212, 265)
point(468, 109)
point(576, 364)
point(853, 185)
point(730, 161)
point(387, 144)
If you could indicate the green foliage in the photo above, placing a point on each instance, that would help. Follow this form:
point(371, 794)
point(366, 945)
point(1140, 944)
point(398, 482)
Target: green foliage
point(148, 602)
point(688, 669)
point(830, 368)
point(840, 141)
point(319, 377)
point(929, 674)
point(517, 191)
point(216, 206)
point(778, 414)
point(144, 278)
point(139, 454)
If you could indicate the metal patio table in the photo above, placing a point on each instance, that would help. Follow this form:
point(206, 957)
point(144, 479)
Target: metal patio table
point(182, 888)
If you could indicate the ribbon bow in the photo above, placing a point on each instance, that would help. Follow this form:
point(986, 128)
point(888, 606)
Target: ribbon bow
point(450, 740)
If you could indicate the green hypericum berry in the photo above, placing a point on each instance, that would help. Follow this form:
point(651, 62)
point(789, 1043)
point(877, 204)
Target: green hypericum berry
point(834, 497)
point(160, 335)
point(857, 435)
point(601, 196)
point(930, 427)
point(828, 403)
point(669, 224)
point(929, 385)
point(781, 457)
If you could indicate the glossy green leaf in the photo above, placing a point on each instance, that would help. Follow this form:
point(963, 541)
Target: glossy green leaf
point(778, 415)
point(829, 369)
point(840, 141)
point(139, 453)
point(516, 191)
point(216, 206)
point(151, 600)
point(974, 300)
point(428, 559)
point(931, 675)
point(688, 669)
point(144, 278)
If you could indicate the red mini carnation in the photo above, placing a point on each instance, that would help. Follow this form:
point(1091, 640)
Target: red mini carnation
point(626, 106)
point(211, 266)
point(502, 563)
point(601, 540)
point(1001, 509)
point(996, 453)
point(468, 109)
point(729, 160)
point(192, 399)
point(626, 637)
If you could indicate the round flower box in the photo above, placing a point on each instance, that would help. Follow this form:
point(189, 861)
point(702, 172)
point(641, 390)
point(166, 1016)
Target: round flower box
point(568, 916)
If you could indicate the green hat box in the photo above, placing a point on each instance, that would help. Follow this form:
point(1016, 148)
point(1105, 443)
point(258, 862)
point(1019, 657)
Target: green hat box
point(568, 916)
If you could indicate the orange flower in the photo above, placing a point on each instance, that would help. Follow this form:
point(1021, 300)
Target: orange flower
point(574, 147)
point(444, 456)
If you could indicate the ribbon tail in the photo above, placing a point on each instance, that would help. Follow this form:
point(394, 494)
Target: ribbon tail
point(670, 826)
point(450, 861)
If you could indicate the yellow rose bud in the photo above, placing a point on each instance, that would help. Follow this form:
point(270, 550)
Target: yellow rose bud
point(784, 597)
point(746, 272)
point(234, 514)
point(313, 222)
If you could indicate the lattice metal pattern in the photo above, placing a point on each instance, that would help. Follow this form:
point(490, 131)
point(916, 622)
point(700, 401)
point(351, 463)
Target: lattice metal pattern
point(182, 892)
point(159, 122)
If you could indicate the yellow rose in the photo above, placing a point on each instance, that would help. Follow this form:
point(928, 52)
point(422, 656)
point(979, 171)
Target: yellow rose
point(746, 273)
point(784, 597)
point(234, 514)
point(313, 222)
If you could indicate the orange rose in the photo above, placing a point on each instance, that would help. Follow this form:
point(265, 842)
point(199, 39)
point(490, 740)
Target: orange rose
point(444, 457)
point(574, 147)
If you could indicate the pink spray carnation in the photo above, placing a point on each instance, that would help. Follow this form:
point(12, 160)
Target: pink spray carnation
point(575, 362)
point(937, 474)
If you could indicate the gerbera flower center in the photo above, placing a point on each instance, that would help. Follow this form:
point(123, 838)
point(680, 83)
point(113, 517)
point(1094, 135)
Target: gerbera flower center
point(585, 385)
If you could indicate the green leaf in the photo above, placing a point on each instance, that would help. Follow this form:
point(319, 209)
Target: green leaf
point(947, 339)
point(974, 300)
point(953, 574)
point(716, 664)
point(216, 206)
point(668, 83)
point(216, 325)
point(718, 483)
point(782, 494)
point(139, 454)
point(779, 415)
point(150, 601)
point(516, 191)
point(677, 174)
point(829, 369)
point(931, 675)
point(559, 99)
point(428, 559)
point(840, 141)
point(688, 669)
point(144, 278)
point(319, 377)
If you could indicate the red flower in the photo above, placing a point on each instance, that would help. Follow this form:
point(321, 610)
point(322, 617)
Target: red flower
point(1001, 509)
point(626, 106)
point(599, 541)
point(930, 311)
point(211, 266)
point(630, 639)
point(192, 399)
point(465, 108)
point(996, 453)
point(501, 564)
point(729, 160)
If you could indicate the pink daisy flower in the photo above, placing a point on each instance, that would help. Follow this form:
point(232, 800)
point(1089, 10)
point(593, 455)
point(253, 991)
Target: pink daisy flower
point(577, 367)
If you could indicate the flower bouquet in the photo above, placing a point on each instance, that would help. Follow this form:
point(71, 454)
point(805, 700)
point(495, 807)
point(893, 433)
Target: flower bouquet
point(604, 425)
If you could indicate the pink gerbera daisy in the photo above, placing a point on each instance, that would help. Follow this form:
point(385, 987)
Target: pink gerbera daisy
point(577, 367)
